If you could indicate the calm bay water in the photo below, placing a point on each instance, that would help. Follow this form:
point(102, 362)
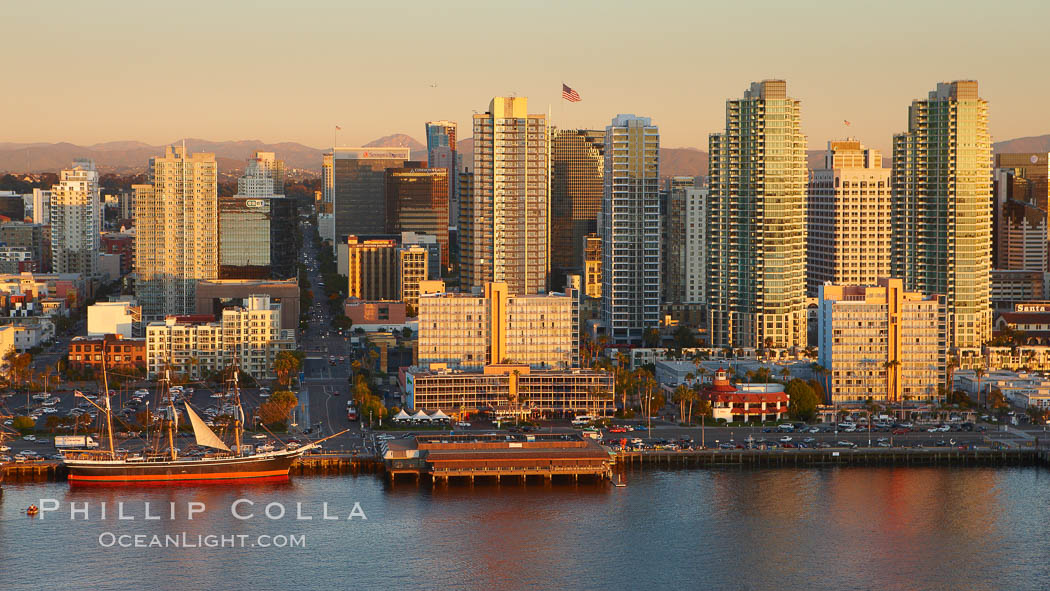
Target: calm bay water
point(848, 528)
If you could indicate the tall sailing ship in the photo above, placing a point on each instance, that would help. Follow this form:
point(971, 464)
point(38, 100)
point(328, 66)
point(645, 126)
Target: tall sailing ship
point(167, 466)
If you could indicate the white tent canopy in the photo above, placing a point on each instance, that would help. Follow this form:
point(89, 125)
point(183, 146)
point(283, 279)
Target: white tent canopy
point(420, 416)
point(402, 416)
point(439, 416)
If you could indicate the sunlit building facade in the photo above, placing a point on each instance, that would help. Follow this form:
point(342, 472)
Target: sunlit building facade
point(757, 242)
point(176, 225)
point(630, 232)
point(849, 229)
point(942, 195)
point(507, 236)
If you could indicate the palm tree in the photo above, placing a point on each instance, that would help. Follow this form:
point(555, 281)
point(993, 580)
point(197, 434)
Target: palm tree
point(823, 373)
point(785, 373)
point(979, 372)
point(891, 375)
point(953, 362)
point(680, 397)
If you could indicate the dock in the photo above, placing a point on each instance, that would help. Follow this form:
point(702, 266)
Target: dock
point(442, 458)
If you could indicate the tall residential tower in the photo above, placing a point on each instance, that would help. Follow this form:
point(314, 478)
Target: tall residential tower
point(507, 238)
point(176, 229)
point(630, 232)
point(76, 220)
point(942, 197)
point(757, 247)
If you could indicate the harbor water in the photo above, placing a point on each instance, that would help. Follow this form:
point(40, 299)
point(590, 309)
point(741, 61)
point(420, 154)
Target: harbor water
point(821, 528)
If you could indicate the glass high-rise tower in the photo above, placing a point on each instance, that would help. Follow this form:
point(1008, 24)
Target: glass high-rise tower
point(507, 237)
point(576, 192)
point(630, 231)
point(757, 222)
point(942, 188)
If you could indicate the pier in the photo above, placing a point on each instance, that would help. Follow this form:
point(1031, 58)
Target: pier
point(442, 458)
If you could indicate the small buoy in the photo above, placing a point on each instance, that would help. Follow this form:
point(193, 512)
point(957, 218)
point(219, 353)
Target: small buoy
point(32, 510)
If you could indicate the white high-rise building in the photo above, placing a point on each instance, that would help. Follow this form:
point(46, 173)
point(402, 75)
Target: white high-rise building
point(263, 177)
point(685, 279)
point(42, 207)
point(849, 225)
point(76, 218)
point(176, 228)
point(507, 233)
point(630, 229)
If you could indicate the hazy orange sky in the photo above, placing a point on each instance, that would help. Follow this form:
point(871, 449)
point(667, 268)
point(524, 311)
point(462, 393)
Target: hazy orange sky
point(88, 72)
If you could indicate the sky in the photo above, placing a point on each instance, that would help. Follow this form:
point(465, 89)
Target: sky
point(89, 72)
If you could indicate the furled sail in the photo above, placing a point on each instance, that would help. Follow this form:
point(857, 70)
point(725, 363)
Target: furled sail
point(204, 435)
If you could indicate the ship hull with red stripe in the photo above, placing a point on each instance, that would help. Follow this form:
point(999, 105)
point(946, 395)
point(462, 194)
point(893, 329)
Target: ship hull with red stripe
point(270, 467)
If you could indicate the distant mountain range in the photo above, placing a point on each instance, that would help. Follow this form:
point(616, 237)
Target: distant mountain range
point(132, 156)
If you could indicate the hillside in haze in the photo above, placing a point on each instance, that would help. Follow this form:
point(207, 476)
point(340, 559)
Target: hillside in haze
point(132, 156)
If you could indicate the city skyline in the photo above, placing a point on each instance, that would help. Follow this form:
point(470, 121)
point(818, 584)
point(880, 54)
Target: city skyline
point(391, 93)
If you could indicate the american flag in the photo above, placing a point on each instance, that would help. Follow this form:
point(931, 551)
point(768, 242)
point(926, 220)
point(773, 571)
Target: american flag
point(569, 94)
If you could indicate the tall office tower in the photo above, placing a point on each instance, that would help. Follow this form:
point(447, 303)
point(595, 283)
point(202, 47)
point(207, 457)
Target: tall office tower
point(441, 153)
point(685, 271)
point(757, 259)
point(631, 228)
point(942, 195)
point(257, 237)
point(508, 237)
point(326, 205)
point(1021, 239)
point(176, 226)
point(672, 235)
point(263, 177)
point(577, 167)
point(76, 220)
point(41, 207)
point(1019, 209)
point(461, 250)
point(355, 182)
point(1034, 167)
point(417, 201)
point(848, 218)
point(372, 268)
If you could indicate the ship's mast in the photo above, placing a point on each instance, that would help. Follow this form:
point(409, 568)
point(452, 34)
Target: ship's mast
point(109, 413)
point(240, 411)
point(171, 419)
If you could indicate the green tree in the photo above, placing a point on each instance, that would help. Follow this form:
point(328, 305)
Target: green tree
point(277, 409)
point(651, 338)
point(680, 396)
point(803, 402)
point(24, 424)
point(684, 337)
point(286, 364)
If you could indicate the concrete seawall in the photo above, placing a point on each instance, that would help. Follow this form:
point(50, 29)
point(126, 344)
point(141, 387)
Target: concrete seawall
point(830, 457)
point(332, 464)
